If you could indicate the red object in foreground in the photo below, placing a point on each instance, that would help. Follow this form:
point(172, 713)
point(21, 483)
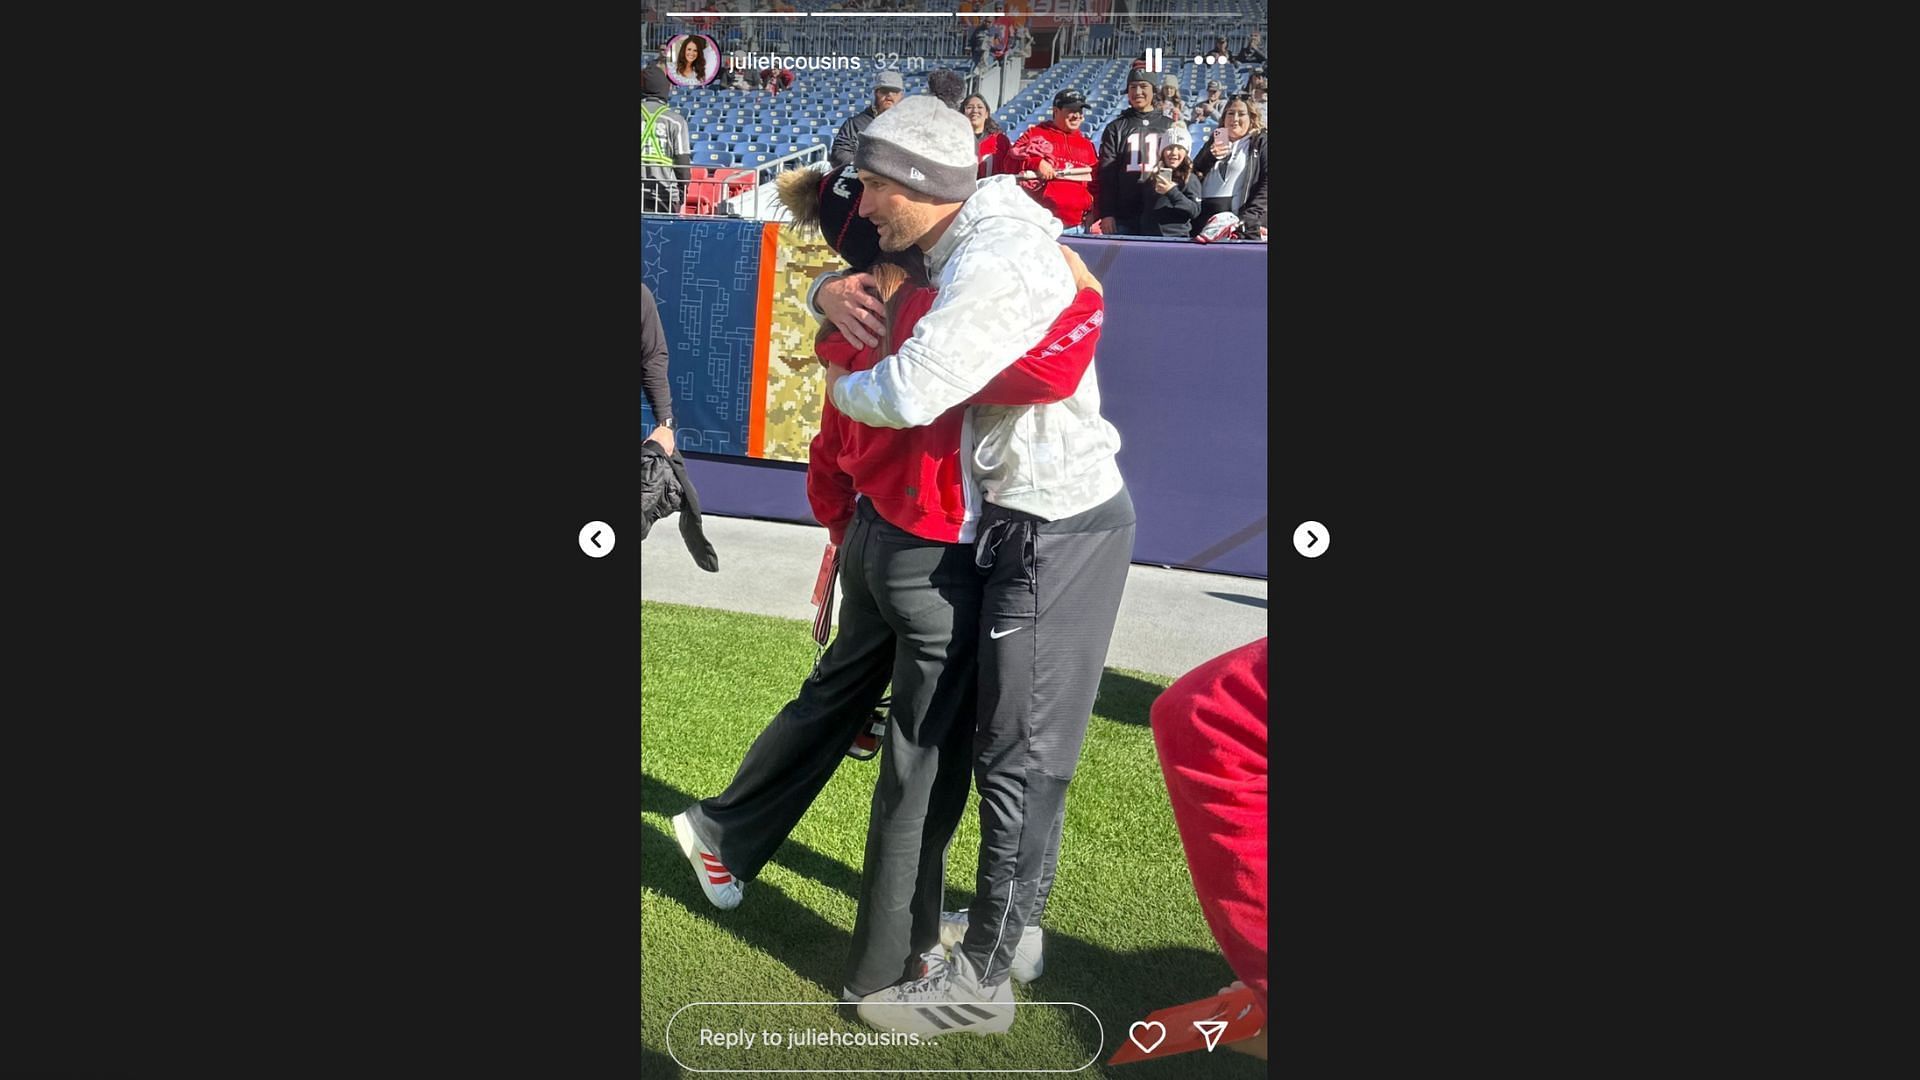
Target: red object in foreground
point(1237, 1007)
point(1210, 729)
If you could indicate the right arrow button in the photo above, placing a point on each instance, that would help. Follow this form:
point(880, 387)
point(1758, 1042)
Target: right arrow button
point(1312, 539)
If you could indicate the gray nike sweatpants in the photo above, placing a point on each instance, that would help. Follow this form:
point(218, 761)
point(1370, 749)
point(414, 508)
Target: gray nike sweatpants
point(909, 613)
point(1052, 596)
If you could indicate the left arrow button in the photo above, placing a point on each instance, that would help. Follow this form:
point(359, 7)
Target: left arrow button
point(596, 539)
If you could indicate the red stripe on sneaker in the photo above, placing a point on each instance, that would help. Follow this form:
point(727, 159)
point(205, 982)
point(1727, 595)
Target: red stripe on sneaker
point(719, 879)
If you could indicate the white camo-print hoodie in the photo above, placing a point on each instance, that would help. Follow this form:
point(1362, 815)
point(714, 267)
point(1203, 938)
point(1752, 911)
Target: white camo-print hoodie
point(1002, 282)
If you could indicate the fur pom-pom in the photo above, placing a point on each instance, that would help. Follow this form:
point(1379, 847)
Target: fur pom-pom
point(800, 193)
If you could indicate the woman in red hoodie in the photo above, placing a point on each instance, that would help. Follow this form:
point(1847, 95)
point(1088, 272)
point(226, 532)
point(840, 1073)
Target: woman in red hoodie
point(897, 509)
point(991, 144)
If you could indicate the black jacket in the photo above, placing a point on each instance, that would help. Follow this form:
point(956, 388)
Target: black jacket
point(665, 489)
point(847, 139)
point(1253, 212)
point(1172, 214)
point(1121, 195)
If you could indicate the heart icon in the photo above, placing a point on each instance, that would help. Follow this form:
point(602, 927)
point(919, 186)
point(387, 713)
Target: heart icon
point(1139, 1026)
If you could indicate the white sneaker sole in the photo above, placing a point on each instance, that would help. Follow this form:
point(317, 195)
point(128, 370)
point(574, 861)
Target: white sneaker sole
point(1029, 957)
point(725, 897)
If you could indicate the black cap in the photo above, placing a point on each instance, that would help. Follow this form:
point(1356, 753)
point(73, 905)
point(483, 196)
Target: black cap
point(1139, 75)
point(655, 83)
point(1070, 99)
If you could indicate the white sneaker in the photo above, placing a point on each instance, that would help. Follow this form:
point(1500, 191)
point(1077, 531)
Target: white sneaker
point(1029, 961)
point(721, 887)
point(948, 1001)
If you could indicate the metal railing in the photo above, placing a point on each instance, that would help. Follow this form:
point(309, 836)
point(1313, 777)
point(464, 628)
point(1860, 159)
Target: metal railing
point(751, 204)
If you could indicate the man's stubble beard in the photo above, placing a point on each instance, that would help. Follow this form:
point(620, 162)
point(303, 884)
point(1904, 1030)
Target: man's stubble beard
point(904, 229)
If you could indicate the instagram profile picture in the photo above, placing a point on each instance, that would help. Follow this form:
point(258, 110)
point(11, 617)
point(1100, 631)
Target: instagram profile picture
point(694, 59)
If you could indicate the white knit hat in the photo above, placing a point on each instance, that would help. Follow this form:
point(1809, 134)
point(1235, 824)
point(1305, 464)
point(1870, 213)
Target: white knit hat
point(923, 145)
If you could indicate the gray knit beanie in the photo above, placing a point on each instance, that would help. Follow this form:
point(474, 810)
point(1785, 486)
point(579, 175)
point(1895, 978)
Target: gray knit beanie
point(923, 145)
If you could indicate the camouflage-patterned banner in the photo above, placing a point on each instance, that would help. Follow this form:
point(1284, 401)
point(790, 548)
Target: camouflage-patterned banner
point(739, 339)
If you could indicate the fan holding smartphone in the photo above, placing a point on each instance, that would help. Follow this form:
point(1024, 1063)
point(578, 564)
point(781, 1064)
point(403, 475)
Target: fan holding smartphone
point(1233, 168)
point(1173, 197)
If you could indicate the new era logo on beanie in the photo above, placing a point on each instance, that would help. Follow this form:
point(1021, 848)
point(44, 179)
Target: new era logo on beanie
point(923, 145)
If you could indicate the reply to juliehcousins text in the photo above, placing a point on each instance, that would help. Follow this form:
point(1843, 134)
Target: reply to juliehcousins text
point(805, 1037)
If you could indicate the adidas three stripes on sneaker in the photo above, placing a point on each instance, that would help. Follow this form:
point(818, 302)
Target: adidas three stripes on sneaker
point(721, 887)
point(948, 1000)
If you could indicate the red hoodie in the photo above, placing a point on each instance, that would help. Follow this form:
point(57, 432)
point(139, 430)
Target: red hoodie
point(994, 152)
point(913, 475)
point(1068, 200)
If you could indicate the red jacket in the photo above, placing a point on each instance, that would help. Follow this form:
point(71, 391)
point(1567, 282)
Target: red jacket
point(1069, 200)
point(913, 475)
point(1210, 729)
point(994, 152)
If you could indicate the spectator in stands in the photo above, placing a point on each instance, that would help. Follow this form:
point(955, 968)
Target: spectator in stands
point(887, 91)
point(1233, 170)
point(948, 86)
point(1220, 49)
point(996, 152)
point(1168, 102)
point(1128, 148)
point(662, 57)
point(980, 45)
point(1257, 86)
point(735, 78)
point(1056, 162)
point(666, 146)
point(1209, 108)
point(775, 79)
point(1175, 200)
point(1251, 54)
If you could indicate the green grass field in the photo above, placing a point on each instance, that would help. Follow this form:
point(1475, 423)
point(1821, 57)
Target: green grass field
point(1124, 932)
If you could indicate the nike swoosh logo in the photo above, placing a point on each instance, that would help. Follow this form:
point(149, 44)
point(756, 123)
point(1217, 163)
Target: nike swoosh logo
point(998, 634)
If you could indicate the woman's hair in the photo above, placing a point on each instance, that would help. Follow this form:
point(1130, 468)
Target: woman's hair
point(992, 126)
point(1183, 170)
point(699, 67)
point(1254, 126)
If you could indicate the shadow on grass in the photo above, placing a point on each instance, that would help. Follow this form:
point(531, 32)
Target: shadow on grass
point(1119, 987)
point(659, 797)
point(654, 1064)
point(767, 919)
point(1125, 699)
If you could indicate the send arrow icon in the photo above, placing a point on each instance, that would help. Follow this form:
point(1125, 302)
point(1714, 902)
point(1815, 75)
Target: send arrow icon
point(1210, 1030)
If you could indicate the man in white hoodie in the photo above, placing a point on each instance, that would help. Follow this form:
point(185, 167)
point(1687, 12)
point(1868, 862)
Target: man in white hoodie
point(1052, 529)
